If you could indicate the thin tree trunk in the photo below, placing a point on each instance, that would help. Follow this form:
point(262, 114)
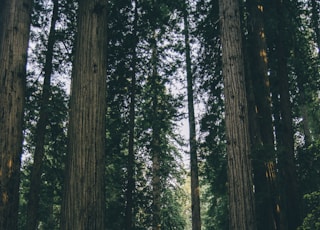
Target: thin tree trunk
point(84, 196)
point(35, 181)
point(290, 196)
point(155, 143)
point(131, 155)
point(195, 188)
point(14, 36)
point(241, 198)
point(131, 159)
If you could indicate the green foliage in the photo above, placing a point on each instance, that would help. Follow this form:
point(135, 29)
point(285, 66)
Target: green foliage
point(64, 37)
point(131, 35)
point(172, 210)
point(308, 170)
point(312, 218)
point(52, 177)
point(212, 127)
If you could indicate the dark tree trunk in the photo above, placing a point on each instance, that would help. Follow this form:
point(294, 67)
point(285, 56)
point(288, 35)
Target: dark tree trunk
point(35, 181)
point(155, 142)
point(241, 198)
point(262, 138)
point(288, 185)
point(84, 196)
point(14, 36)
point(131, 154)
point(195, 188)
point(287, 168)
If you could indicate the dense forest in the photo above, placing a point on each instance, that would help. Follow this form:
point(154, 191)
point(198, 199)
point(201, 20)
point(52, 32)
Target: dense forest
point(160, 114)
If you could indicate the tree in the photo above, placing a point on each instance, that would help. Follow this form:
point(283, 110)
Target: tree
point(289, 194)
point(241, 199)
point(52, 173)
point(129, 54)
point(84, 196)
point(195, 188)
point(46, 63)
point(123, 102)
point(261, 127)
point(35, 181)
point(155, 145)
point(132, 117)
point(14, 34)
point(212, 146)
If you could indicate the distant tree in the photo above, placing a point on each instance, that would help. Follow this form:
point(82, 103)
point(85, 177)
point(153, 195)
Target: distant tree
point(43, 60)
point(155, 145)
point(241, 198)
point(14, 35)
point(131, 55)
point(35, 181)
point(84, 196)
point(52, 173)
point(213, 166)
point(132, 117)
point(122, 101)
point(195, 188)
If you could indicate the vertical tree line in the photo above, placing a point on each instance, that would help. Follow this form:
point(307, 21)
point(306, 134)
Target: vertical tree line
point(114, 156)
point(274, 86)
point(84, 195)
point(195, 187)
point(261, 131)
point(35, 180)
point(241, 198)
point(14, 35)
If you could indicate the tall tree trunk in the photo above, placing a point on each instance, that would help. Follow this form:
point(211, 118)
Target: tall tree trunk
point(131, 155)
point(14, 36)
point(35, 181)
point(84, 196)
point(287, 168)
point(262, 138)
point(241, 198)
point(195, 188)
point(155, 142)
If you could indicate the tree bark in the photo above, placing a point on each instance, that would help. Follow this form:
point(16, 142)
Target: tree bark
point(262, 138)
point(195, 188)
point(241, 198)
point(84, 196)
point(35, 181)
point(14, 36)
point(287, 168)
